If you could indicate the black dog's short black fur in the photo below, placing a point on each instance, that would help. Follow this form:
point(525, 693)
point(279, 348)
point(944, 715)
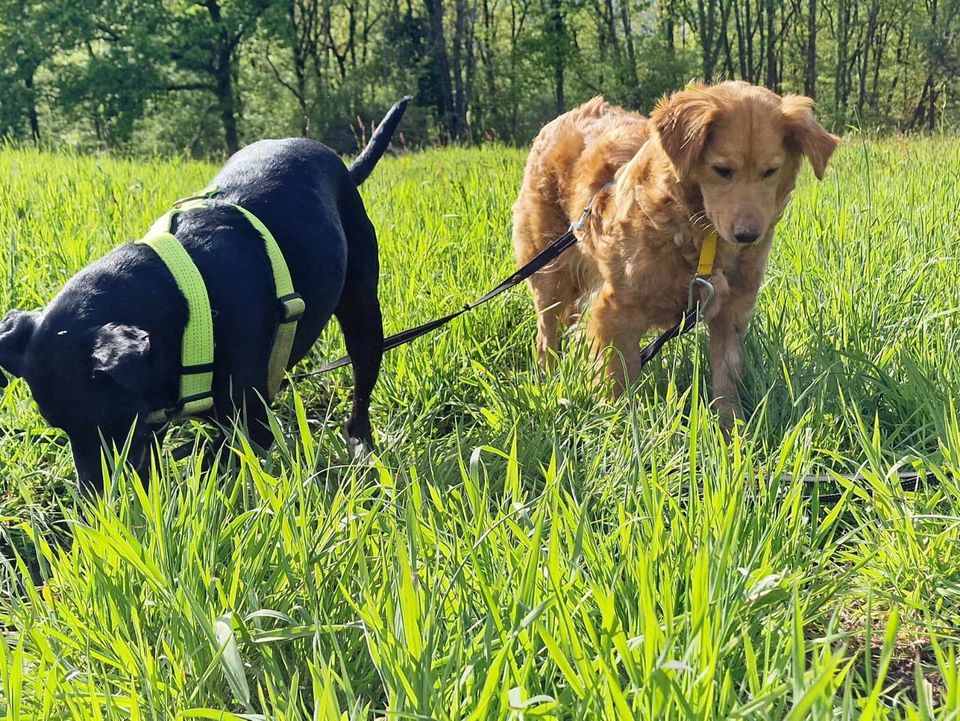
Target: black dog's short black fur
point(106, 350)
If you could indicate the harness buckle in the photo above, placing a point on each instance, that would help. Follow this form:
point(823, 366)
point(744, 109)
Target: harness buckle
point(292, 308)
point(692, 302)
point(205, 194)
point(163, 416)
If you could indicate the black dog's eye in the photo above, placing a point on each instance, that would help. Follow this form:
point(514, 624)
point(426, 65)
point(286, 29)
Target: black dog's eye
point(769, 172)
point(723, 171)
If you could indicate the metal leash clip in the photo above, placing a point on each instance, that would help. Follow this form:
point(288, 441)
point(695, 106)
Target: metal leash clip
point(578, 224)
point(692, 302)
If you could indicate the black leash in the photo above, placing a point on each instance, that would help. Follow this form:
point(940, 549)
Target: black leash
point(541, 259)
point(910, 482)
point(40, 436)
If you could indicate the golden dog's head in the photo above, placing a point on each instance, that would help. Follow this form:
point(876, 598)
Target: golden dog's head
point(740, 145)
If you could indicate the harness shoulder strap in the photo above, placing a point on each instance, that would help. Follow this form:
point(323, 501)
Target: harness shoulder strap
point(291, 304)
point(196, 355)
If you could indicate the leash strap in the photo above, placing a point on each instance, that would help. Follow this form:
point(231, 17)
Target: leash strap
point(693, 314)
point(541, 259)
point(690, 319)
point(695, 309)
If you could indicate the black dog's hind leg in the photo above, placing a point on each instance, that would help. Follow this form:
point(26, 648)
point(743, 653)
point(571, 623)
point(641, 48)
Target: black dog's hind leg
point(358, 313)
point(359, 317)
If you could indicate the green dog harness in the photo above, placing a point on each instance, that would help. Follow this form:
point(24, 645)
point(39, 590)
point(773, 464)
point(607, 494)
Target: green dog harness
point(197, 351)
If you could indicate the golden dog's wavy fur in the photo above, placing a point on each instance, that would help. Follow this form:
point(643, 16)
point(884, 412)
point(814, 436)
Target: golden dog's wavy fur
point(724, 156)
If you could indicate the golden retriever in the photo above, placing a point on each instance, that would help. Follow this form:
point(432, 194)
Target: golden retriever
point(723, 157)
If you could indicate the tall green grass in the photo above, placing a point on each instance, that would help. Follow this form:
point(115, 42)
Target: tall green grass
point(520, 547)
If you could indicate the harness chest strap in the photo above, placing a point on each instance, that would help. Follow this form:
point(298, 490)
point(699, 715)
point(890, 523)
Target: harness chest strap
point(197, 351)
point(292, 306)
point(196, 354)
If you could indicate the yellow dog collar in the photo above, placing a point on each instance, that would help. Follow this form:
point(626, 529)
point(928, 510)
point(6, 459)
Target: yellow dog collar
point(708, 253)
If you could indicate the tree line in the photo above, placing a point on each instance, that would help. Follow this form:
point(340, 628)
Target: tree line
point(205, 76)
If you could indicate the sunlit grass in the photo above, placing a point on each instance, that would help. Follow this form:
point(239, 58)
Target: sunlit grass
point(520, 547)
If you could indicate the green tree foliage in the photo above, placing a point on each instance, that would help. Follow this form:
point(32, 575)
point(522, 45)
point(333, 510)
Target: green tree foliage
point(204, 76)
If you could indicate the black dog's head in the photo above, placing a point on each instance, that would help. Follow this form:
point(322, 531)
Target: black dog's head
point(92, 381)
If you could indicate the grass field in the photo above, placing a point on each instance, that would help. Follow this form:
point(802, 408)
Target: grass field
point(521, 548)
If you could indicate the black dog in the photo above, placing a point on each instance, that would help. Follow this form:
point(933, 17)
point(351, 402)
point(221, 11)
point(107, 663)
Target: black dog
point(106, 350)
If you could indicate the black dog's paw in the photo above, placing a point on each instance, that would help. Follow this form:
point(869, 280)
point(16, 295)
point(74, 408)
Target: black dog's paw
point(361, 447)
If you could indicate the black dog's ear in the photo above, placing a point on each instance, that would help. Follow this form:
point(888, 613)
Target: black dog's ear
point(16, 330)
point(122, 352)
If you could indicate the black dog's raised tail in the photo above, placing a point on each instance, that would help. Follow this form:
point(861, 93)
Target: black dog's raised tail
point(365, 162)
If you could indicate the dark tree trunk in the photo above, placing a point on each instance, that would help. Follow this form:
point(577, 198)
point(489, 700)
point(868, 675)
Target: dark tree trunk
point(923, 113)
point(222, 72)
point(631, 62)
point(878, 53)
point(558, 28)
point(668, 24)
point(728, 67)
point(460, 33)
point(352, 34)
point(898, 63)
point(810, 76)
point(610, 21)
point(705, 24)
point(865, 57)
point(438, 49)
point(226, 101)
point(303, 18)
point(32, 114)
point(470, 72)
point(518, 18)
point(841, 84)
point(486, 49)
point(710, 20)
point(740, 28)
point(773, 78)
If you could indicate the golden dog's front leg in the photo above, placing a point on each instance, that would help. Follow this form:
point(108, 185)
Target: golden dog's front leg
point(615, 329)
point(728, 328)
point(554, 297)
point(726, 365)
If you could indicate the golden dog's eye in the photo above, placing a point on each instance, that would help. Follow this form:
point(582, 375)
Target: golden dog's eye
point(769, 172)
point(723, 171)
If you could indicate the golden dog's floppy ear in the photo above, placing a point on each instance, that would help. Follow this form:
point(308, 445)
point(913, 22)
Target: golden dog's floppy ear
point(805, 135)
point(682, 122)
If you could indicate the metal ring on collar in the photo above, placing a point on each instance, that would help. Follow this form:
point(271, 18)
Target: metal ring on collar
point(692, 302)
